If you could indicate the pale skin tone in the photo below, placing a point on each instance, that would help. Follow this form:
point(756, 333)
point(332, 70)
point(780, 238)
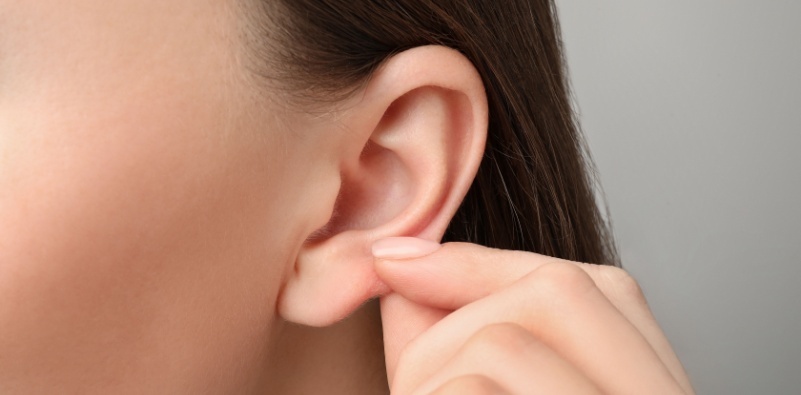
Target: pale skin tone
point(168, 225)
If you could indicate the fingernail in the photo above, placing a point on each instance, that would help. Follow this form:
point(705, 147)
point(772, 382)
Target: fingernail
point(403, 248)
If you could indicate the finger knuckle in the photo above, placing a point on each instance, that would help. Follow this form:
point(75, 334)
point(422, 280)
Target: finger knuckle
point(472, 384)
point(496, 342)
point(624, 285)
point(562, 280)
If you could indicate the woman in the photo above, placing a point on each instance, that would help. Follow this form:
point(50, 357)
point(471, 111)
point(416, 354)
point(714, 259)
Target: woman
point(209, 197)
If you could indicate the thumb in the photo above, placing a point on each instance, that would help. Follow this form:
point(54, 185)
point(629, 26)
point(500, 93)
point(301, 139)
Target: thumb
point(402, 319)
point(452, 275)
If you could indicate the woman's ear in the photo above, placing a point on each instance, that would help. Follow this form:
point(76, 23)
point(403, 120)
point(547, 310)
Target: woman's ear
point(411, 143)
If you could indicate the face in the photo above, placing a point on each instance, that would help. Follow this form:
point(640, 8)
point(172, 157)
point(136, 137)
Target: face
point(148, 197)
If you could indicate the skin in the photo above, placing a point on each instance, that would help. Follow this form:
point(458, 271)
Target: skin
point(141, 188)
point(169, 226)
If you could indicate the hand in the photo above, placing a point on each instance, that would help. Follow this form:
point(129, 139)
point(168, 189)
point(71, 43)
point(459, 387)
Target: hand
point(466, 319)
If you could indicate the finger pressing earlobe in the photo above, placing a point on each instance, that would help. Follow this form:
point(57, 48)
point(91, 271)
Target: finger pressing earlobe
point(407, 149)
point(451, 276)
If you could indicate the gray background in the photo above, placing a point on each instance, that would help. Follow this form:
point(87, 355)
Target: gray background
point(691, 108)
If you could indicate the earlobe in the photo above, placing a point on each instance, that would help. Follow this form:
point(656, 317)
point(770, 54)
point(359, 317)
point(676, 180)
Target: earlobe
point(414, 142)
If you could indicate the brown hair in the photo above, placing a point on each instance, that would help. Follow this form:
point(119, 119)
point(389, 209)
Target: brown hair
point(534, 189)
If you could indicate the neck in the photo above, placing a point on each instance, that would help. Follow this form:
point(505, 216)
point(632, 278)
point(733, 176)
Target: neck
point(345, 358)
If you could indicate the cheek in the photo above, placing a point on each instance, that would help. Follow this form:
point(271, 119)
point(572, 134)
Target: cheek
point(135, 241)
